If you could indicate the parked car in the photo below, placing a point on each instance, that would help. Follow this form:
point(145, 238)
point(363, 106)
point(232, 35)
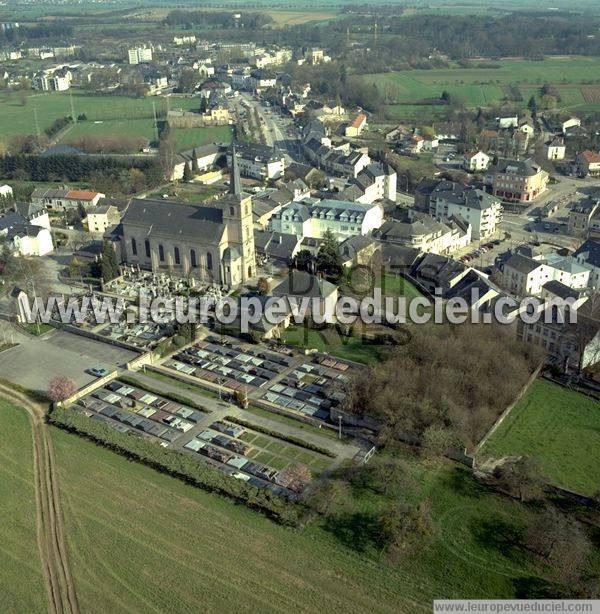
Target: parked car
point(97, 371)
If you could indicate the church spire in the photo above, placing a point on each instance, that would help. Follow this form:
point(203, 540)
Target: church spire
point(235, 183)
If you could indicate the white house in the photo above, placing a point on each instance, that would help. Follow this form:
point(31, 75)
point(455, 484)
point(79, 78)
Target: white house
point(258, 161)
point(555, 149)
point(476, 161)
point(311, 217)
point(30, 240)
point(139, 55)
point(6, 191)
point(588, 255)
point(206, 157)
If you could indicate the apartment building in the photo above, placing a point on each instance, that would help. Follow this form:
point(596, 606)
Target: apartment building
point(521, 181)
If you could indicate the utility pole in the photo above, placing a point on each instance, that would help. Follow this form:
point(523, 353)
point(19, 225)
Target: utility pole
point(155, 122)
point(340, 427)
point(35, 121)
point(73, 117)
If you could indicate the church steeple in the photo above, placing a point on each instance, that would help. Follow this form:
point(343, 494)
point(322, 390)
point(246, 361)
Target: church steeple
point(235, 183)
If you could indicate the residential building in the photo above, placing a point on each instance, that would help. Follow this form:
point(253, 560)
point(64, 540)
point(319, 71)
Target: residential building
point(480, 209)
point(61, 199)
point(139, 55)
point(357, 125)
point(525, 276)
point(476, 161)
point(375, 182)
point(298, 285)
point(572, 122)
point(425, 233)
point(6, 191)
point(215, 243)
point(259, 161)
point(24, 237)
point(207, 156)
point(184, 40)
point(588, 255)
point(101, 218)
point(261, 80)
point(581, 215)
point(518, 181)
point(311, 217)
point(588, 163)
point(555, 149)
point(315, 55)
point(276, 246)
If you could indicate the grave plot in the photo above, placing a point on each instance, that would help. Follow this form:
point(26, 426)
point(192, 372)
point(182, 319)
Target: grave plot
point(134, 410)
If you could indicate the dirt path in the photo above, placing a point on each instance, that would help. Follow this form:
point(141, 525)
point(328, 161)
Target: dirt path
point(50, 532)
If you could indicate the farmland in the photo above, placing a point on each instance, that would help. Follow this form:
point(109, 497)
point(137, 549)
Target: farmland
point(560, 428)
point(483, 86)
point(107, 116)
point(20, 572)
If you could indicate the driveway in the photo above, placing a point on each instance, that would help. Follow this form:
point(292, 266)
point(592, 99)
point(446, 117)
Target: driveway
point(36, 360)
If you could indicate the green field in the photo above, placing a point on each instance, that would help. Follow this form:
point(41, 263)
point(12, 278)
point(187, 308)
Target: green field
point(561, 429)
point(142, 540)
point(20, 571)
point(116, 116)
point(484, 86)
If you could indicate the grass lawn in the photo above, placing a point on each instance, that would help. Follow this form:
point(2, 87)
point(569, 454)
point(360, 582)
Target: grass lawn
point(394, 285)
point(20, 572)
point(561, 429)
point(111, 128)
point(188, 138)
point(139, 539)
point(331, 342)
point(36, 329)
point(483, 86)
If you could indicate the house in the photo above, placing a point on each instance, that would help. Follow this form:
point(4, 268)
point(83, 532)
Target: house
point(588, 254)
point(206, 70)
point(276, 246)
point(588, 163)
point(357, 125)
point(33, 214)
point(525, 276)
point(139, 55)
point(311, 217)
point(261, 80)
point(298, 285)
point(275, 316)
point(215, 243)
point(359, 250)
point(572, 122)
point(555, 149)
point(61, 199)
point(476, 161)
point(425, 233)
point(206, 157)
point(24, 237)
point(521, 181)
point(267, 204)
point(581, 215)
point(569, 345)
point(416, 144)
point(480, 209)
point(259, 161)
point(375, 182)
point(101, 218)
point(507, 122)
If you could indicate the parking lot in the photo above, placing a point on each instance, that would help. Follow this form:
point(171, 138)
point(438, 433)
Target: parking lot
point(36, 360)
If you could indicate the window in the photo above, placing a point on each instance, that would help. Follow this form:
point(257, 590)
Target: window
point(147, 247)
point(161, 253)
point(133, 246)
point(176, 253)
point(231, 211)
point(209, 262)
point(193, 257)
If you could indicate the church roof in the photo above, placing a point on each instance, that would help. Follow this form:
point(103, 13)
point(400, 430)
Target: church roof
point(174, 219)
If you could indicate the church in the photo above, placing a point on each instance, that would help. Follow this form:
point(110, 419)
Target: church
point(210, 242)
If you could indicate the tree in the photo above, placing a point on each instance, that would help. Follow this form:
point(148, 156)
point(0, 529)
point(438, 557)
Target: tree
point(519, 477)
point(561, 542)
point(532, 105)
point(263, 286)
point(110, 265)
point(304, 261)
point(296, 477)
point(195, 168)
point(61, 388)
point(187, 173)
point(329, 260)
point(403, 526)
point(166, 156)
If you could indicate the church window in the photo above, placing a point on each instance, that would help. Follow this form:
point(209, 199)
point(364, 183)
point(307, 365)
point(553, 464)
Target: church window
point(147, 247)
point(133, 246)
point(193, 257)
point(176, 254)
point(161, 253)
point(209, 262)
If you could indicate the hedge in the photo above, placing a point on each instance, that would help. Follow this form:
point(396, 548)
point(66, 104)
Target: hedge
point(177, 464)
point(173, 396)
point(278, 435)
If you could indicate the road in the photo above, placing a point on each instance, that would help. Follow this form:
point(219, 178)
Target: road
point(52, 545)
